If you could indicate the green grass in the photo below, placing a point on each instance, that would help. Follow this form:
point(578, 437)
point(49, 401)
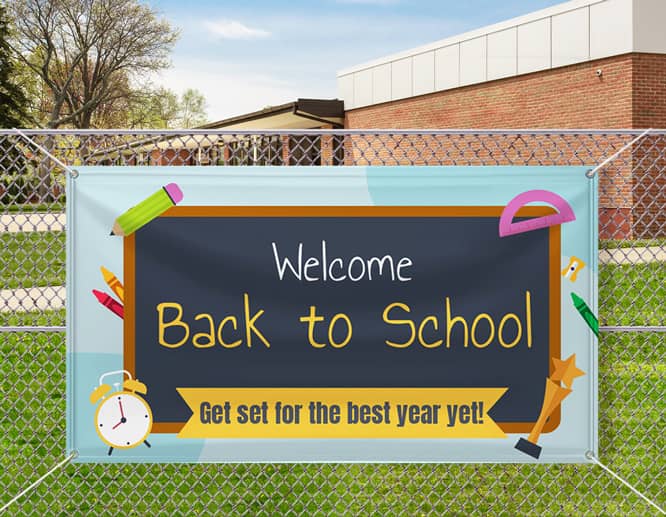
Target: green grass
point(632, 294)
point(631, 382)
point(632, 374)
point(31, 208)
point(38, 259)
point(33, 319)
point(610, 244)
point(32, 259)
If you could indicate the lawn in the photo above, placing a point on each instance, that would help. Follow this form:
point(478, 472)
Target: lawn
point(39, 319)
point(32, 259)
point(33, 440)
point(632, 294)
point(38, 259)
point(631, 387)
point(31, 208)
point(610, 244)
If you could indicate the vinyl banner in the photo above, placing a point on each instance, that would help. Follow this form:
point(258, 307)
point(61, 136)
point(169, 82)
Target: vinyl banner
point(431, 314)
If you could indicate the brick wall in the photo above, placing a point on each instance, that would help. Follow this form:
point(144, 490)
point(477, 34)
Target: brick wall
point(567, 97)
point(171, 157)
point(649, 157)
point(631, 92)
point(649, 90)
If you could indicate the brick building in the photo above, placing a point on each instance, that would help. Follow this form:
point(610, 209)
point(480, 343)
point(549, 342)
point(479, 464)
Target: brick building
point(241, 145)
point(581, 64)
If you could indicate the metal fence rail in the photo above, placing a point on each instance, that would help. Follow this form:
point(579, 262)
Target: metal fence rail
point(632, 348)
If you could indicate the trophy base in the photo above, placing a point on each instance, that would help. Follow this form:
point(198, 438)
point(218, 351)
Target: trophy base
point(529, 448)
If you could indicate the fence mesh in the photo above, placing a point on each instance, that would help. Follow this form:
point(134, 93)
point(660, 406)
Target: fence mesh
point(632, 292)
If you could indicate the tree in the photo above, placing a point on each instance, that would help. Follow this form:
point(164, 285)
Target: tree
point(13, 101)
point(192, 109)
point(155, 108)
point(161, 108)
point(87, 52)
point(37, 98)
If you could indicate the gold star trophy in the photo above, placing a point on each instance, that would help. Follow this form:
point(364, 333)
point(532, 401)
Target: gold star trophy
point(565, 371)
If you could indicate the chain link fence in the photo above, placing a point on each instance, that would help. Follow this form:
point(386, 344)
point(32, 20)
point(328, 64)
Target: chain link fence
point(632, 348)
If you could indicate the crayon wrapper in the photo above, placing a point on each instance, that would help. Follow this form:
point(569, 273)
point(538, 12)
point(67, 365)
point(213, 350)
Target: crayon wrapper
point(147, 210)
point(591, 320)
point(118, 288)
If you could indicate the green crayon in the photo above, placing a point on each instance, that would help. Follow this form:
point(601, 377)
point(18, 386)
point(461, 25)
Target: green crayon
point(150, 208)
point(586, 313)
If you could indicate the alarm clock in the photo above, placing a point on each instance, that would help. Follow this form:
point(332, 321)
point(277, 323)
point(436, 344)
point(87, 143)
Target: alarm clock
point(123, 418)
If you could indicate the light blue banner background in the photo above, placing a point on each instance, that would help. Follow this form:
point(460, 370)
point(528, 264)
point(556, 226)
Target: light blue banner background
point(95, 337)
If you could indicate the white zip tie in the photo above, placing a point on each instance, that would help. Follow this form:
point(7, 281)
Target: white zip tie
point(72, 172)
point(69, 458)
point(590, 174)
point(590, 456)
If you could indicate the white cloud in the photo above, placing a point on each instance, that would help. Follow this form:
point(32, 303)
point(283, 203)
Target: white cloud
point(249, 77)
point(233, 29)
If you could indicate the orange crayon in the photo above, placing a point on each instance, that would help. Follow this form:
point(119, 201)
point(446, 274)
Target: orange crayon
point(113, 282)
point(109, 303)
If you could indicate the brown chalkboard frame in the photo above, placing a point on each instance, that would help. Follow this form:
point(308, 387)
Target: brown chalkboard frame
point(554, 252)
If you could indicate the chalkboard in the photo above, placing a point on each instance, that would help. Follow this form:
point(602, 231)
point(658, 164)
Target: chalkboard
point(218, 260)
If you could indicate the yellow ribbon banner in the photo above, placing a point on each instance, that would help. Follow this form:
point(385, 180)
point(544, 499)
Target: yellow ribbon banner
point(341, 412)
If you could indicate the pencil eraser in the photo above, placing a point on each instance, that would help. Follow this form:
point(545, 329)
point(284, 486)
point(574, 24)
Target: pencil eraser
point(174, 192)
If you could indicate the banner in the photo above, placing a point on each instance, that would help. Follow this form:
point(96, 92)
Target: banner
point(332, 314)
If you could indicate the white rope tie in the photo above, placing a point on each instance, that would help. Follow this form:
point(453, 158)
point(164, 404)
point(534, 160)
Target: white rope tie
point(590, 456)
point(592, 172)
point(72, 172)
point(31, 487)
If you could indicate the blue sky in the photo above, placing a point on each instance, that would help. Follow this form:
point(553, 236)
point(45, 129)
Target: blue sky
point(246, 56)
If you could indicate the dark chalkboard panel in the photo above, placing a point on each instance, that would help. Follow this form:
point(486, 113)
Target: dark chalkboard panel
point(207, 258)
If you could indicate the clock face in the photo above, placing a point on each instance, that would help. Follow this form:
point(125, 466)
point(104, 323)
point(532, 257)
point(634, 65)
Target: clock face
point(123, 420)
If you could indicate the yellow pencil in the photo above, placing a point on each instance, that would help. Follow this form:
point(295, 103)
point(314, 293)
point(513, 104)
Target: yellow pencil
point(113, 282)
